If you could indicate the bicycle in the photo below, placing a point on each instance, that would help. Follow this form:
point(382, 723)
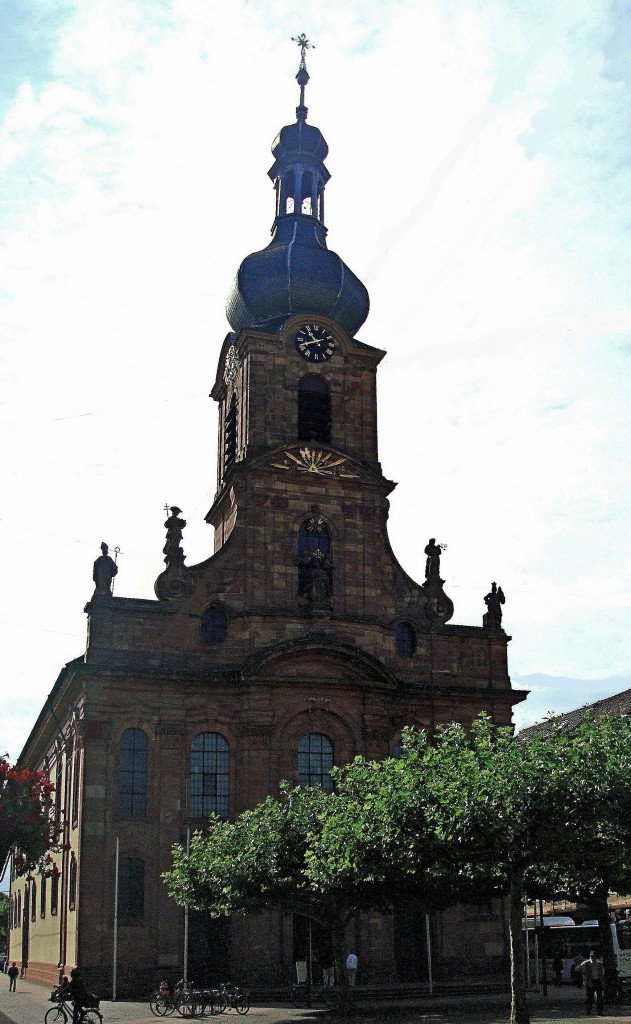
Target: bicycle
point(235, 998)
point(62, 1013)
point(164, 1004)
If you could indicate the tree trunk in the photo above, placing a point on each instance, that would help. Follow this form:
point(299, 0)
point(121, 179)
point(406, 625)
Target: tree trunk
point(338, 935)
point(519, 1007)
point(600, 907)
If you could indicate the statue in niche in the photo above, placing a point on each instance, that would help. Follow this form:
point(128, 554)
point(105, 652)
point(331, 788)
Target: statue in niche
point(315, 580)
point(104, 571)
point(494, 600)
point(432, 565)
point(173, 553)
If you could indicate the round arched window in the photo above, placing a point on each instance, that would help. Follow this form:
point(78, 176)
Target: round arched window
point(213, 626)
point(405, 640)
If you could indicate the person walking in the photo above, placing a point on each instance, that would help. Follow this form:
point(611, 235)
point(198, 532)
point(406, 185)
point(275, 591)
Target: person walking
point(13, 972)
point(594, 975)
point(351, 968)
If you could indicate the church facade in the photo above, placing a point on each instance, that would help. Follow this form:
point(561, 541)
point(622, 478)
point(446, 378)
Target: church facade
point(299, 643)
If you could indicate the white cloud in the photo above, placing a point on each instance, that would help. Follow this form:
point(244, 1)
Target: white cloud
point(479, 156)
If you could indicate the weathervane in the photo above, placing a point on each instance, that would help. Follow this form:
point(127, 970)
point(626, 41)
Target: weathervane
point(303, 75)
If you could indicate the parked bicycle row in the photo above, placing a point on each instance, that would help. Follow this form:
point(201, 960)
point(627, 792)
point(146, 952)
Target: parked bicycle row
point(190, 1001)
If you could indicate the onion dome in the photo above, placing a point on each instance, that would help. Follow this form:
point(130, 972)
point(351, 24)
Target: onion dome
point(296, 273)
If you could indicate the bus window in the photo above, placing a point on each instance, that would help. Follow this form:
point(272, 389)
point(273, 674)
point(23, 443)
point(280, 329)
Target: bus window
point(623, 931)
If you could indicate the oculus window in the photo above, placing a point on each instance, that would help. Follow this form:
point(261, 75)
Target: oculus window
point(213, 626)
point(405, 640)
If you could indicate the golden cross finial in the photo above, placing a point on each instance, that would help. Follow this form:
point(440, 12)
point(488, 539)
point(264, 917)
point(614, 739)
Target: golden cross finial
point(304, 45)
point(303, 75)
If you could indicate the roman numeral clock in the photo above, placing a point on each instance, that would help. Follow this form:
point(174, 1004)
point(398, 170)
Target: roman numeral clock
point(314, 343)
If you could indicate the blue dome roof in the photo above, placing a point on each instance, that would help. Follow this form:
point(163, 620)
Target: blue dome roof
point(300, 138)
point(296, 273)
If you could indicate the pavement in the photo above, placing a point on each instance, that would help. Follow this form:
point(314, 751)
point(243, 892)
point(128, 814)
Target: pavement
point(563, 1005)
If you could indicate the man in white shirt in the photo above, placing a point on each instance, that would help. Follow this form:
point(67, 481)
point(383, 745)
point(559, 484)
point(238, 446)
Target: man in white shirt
point(351, 968)
point(594, 975)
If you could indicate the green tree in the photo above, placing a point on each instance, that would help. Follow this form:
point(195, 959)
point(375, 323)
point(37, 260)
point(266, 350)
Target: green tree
point(4, 921)
point(506, 813)
point(324, 856)
point(27, 821)
point(477, 812)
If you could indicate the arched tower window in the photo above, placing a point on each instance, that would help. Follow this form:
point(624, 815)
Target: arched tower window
point(315, 760)
point(230, 434)
point(315, 567)
point(314, 409)
point(132, 774)
point(210, 776)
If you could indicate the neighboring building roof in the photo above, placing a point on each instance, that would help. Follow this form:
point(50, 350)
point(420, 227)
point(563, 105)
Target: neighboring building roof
point(618, 706)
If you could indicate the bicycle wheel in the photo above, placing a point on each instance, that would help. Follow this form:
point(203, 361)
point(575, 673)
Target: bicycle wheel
point(242, 1002)
point(159, 1005)
point(92, 1017)
point(56, 1015)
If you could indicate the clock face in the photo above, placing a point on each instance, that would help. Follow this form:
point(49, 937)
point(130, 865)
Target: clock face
point(314, 343)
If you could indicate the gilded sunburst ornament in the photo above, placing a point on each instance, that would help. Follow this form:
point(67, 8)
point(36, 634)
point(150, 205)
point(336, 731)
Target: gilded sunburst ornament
point(308, 460)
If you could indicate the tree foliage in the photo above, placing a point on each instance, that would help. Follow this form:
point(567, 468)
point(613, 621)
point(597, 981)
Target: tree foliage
point(459, 816)
point(4, 921)
point(27, 820)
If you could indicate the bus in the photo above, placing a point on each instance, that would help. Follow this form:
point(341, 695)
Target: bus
point(575, 942)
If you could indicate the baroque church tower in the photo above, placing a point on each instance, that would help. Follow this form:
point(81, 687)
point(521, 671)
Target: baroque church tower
point(299, 643)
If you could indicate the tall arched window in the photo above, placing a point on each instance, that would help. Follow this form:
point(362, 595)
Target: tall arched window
point(132, 774)
point(76, 774)
point(54, 891)
point(42, 897)
point(314, 556)
point(210, 776)
point(72, 882)
point(315, 760)
point(314, 409)
point(19, 910)
point(33, 900)
point(131, 890)
point(230, 434)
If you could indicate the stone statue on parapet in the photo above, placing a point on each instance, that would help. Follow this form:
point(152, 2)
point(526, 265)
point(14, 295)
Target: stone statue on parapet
point(173, 553)
point(104, 571)
point(432, 565)
point(438, 606)
point(494, 600)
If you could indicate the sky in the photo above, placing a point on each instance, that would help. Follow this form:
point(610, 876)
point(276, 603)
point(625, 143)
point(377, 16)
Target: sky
point(480, 154)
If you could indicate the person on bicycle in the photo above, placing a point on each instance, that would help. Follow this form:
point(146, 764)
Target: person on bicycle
point(78, 993)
